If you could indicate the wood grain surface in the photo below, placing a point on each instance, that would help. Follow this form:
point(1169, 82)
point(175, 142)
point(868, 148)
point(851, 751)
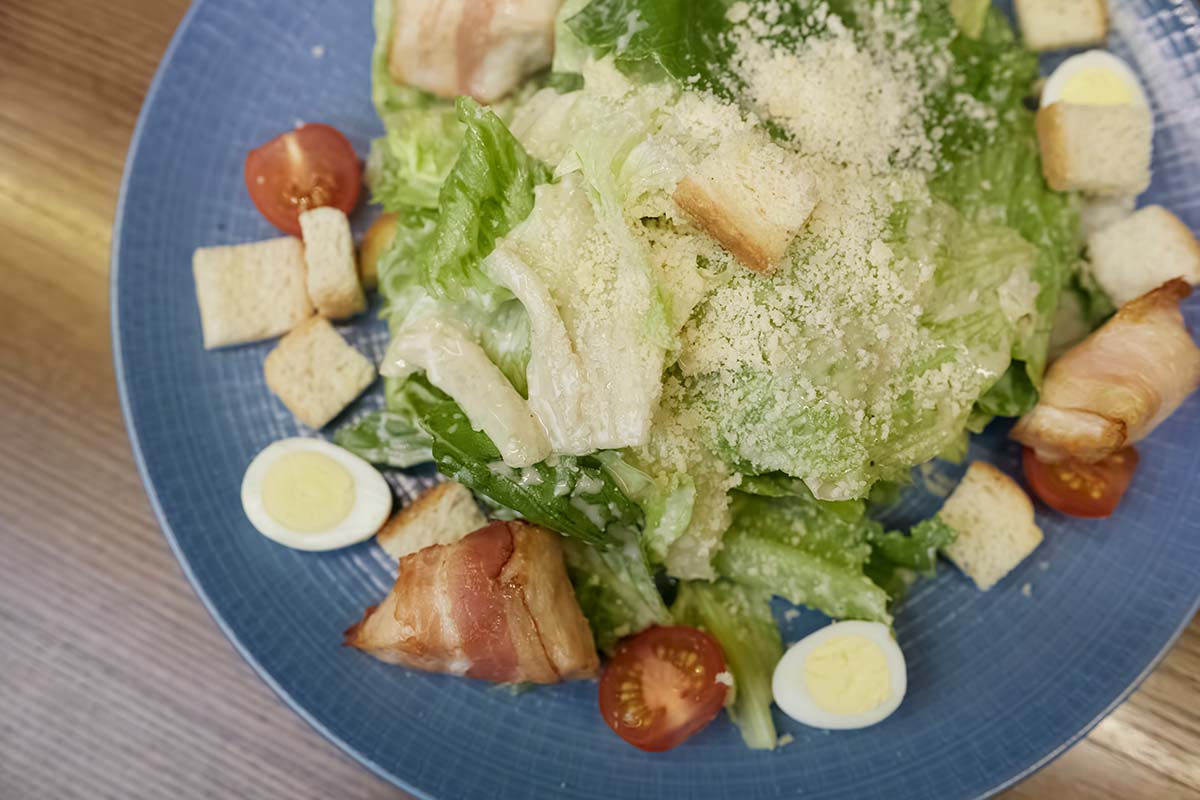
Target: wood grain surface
point(114, 681)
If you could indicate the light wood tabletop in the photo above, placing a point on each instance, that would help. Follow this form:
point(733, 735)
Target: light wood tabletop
point(114, 681)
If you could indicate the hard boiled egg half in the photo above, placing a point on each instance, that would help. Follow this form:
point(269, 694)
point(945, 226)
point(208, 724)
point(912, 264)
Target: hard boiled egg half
point(846, 675)
point(1094, 78)
point(312, 495)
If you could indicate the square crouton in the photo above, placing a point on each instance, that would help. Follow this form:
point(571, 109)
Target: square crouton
point(994, 520)
point(1142, 252)
point(442, 515)
point(1102, 150)
point(332, 271)
point(248, 292)
point(752, 196)
point(1099, 213)
point(315, 373)
point(1060, 24)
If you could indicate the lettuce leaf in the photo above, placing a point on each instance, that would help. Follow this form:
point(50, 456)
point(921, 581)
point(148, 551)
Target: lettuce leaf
point(680, 39)
point(387, 438)
point(615, 589)
point(807, 554)
point(407, 166)
point(487, 193)
point(668, 503)
point(740, 620)
point(575, 497)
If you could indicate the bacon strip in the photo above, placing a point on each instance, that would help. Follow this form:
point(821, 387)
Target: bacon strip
point(495, 605)
point(481, 48)
point(1116, 386)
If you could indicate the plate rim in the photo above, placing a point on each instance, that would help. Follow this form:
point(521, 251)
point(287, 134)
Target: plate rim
point(240, 647)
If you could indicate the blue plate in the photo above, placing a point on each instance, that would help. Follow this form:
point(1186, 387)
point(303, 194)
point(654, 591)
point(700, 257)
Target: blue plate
point(999, 683)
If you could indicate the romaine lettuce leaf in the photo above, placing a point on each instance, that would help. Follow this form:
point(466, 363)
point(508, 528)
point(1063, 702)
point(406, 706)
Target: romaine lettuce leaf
point(387, 438)
point(451, 359)
point(575, 497)
point(807, 554)
point(407, 166)
point(615, 589)
point(682, 39)
point(898, 559)
point(487, 193)
point(668, 503)
point(594, 371)
point(840, 424)
point(740, 620)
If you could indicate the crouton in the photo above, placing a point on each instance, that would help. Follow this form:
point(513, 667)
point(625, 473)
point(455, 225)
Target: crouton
point(332, 272)
point(248, 292)
point(315, 373)
point(1098, 213)
point(375, 243)
point(1060, 24)
point(751, 196)
point(994, 520)
point(442, 515)
point(1103, 150)
point(1142, 252)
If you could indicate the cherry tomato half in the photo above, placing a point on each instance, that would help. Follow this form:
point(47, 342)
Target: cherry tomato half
point(1082, 490)
point(309, 167)
point(661, 686)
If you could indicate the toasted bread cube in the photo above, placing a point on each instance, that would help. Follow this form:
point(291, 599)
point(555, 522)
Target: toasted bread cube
point(994, 520)
point(332, 271)
point(1060, 24)
point(1099, 213)
point(441, 515)
point(1143, 252)
point(752, 196)
point(1103, 150)
point(315, 373)
point(248, 292)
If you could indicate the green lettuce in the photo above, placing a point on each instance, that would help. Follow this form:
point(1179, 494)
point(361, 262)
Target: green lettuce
point(615, 589)
point(798, 549)
point(740, 619)
point(407, 166)
point(486, 194)
point(898, 559)
point(650, 39)
point(387, 438)
point(977, 304)
point(574, 496)
point(667, 502)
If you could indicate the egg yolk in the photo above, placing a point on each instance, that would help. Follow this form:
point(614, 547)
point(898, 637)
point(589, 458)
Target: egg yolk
point(847, 675)
point(1097, 86)
point(308, 492)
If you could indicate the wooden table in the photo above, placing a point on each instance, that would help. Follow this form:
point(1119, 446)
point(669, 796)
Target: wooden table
point(114, 681)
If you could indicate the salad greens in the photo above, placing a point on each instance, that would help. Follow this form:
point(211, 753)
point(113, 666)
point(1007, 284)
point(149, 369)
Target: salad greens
point(701, 421)
point(740, 619)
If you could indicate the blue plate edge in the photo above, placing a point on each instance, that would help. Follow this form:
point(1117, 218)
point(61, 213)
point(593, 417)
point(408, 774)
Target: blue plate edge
point(169, 534)
point(136, 444)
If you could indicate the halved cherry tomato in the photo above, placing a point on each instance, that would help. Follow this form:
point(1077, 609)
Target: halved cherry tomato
point(661, 686)
point(1082, 490)
point(309, 167)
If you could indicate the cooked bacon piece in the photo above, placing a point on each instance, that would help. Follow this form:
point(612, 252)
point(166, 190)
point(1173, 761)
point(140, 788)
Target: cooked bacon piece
point(1117, 385)
point(478, 47)
point(495, 605)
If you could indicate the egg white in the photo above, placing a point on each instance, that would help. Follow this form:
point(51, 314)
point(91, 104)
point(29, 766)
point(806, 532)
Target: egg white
point(791, 693)
point(1055, 84)
point(372, 498)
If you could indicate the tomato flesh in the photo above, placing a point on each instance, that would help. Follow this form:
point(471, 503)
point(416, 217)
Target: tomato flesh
point(309, 167)
point(662, 686)
point(1082, 490)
